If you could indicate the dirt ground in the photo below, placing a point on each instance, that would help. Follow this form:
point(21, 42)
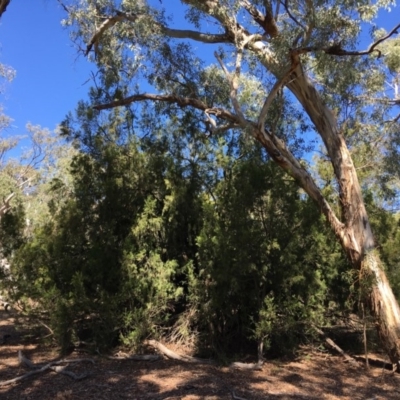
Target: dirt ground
point(313, 375)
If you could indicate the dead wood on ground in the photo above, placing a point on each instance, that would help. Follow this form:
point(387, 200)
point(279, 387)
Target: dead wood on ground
point(53, 366)
point(337, 348)
point(175, 356)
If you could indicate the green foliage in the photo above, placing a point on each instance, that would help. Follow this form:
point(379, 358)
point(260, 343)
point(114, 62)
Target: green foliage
point(156, 227)
point(223, 248)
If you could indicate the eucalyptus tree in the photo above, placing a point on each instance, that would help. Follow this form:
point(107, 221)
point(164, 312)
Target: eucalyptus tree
point(247, 68)
point(6, 144)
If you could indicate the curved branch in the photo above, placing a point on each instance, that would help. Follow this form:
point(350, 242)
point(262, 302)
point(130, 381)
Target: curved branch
point(173, 99)
point(107, 24)
point(275, 147)
point(173, 33)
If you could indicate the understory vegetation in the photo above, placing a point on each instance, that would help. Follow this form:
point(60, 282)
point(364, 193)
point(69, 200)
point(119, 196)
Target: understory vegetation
point(208, 244)
point(233, 199)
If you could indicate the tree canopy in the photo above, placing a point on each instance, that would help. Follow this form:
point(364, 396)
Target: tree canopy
point(295, 59)
point(187, 202)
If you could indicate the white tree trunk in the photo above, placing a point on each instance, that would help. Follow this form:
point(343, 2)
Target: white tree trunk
point(355, 235)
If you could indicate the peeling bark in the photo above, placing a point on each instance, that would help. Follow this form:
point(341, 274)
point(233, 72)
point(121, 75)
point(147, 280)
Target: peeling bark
point(383, 306)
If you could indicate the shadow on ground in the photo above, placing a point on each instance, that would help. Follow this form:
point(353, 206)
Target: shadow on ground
point(312, 376)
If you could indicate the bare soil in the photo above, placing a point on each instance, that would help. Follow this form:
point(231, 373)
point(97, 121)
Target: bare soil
point(312, 375)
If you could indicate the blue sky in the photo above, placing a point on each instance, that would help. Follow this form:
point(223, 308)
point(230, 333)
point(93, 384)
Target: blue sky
point(51, 76)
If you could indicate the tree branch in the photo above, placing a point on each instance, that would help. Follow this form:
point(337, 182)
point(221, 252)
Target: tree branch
point(107, 24)
point(266, 21)
point(6, 204)
point(54, 366)
point(275, 147)
point(3, 6)
point(393, 121)
point(337, 50)
point(291, 16)
point(271, 96)
point(233, 82)
point(170, 98)
point(173, 33)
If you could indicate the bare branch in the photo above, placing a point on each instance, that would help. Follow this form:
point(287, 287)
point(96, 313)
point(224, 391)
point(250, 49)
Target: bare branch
point(246, 366)
point(197, 36)
point(214, 128)
point(271, 96)
point(337, 50)
point(175, 356)
point(53, 366)
point(63, 6)
point(392, 121)
point(136, 357)
point(392, 32)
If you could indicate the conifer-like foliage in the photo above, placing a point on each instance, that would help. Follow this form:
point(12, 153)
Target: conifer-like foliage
point(193, 209)
point(204, 241)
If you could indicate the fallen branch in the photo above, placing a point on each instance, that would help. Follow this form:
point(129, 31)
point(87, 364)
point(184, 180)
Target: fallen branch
point(175, 356)
point(234, 397)
point(53, 366)
point(136, 357)
point(337, 348)
point(249, 366)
